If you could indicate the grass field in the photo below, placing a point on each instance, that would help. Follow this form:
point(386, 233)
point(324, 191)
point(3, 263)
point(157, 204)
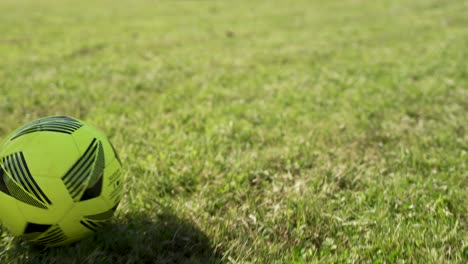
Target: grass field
point(256, 131)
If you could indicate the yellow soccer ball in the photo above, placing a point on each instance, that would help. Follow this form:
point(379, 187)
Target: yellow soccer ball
point(60, 180)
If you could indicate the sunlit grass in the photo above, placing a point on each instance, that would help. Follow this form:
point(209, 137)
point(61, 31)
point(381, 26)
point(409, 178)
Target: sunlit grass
point(256, 131)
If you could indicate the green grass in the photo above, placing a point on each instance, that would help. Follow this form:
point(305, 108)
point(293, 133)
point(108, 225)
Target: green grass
point(256, 131)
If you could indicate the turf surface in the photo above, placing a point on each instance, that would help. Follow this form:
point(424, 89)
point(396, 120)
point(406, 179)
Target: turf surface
point(256, 131)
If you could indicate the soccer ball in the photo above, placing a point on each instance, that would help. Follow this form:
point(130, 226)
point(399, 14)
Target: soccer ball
point(60, 180)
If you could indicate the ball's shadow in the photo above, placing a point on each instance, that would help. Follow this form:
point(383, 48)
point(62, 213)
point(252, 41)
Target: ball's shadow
point(133, 238)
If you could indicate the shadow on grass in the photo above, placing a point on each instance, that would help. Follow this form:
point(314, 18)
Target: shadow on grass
point(129, 239)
